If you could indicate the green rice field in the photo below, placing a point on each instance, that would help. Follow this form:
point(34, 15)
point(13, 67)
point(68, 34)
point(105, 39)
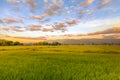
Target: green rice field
point(65, 62)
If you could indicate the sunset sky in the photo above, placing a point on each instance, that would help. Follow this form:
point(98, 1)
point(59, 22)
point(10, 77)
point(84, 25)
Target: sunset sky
point(39, 20)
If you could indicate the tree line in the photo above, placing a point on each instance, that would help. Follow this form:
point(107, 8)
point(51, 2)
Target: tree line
point(11, 43)
point(47, 43)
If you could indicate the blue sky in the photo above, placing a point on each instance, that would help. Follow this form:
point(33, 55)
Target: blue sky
point(34, 18)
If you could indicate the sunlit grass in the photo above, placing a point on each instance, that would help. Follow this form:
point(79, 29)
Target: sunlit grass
point(68, 62)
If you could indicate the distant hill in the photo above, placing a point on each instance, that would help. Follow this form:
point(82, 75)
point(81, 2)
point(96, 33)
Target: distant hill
point(88, 41)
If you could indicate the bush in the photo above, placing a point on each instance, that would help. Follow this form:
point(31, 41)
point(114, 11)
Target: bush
point(46, 43)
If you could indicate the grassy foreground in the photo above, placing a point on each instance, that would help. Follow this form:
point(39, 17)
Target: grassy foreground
point(69, 62)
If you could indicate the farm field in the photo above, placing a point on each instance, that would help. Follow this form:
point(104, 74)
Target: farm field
point(65, 62)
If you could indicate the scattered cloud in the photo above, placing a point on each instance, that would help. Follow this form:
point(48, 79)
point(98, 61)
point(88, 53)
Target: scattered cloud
point(52, 8)
point(4, 29)
point(30, 3)
point(13, 1)
point(33, 27)
point(85, 2)
point(72, 22)
point(103, 3)
point(60, 26)
point(9, 20)
point(16, 28)
point(47, 29)
point(56, 15)
point(45, 20)
point(39, 17)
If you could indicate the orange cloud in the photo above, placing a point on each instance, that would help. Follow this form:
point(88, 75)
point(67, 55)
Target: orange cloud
point(22, 39)
point(59, 37)
point(86, 2)
point(47, 29)
point(4, 29)
point(107, 31)
point(41, 16)
point(31, 38)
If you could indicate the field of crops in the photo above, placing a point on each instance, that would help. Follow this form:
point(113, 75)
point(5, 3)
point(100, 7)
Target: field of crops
point(68, 62)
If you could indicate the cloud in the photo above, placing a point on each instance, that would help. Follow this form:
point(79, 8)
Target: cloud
point(111, 37)
point(16, 28)
point(9, 20)
point(110, 33)
point(81, 11)
point(107, 31)
point(45, 20)
point(60, 26)
point(47, 29)
point(12, 28)
point(52, 8)
point(1, 21)
point(85, 36)
point(64, 36)
point(30, 38)
point(102, 3)
point(33, 27)
point(2, 35)
point(30, 3)
point(13, 1)
point(4, 29)
point(72, 22)
point(45, 1)
point(21, 37)
point(69, 35)
point(86, 2)
point(88, 10)
point(39, 17)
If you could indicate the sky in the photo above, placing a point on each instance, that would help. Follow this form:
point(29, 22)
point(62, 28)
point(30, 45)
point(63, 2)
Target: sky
point(39, 20)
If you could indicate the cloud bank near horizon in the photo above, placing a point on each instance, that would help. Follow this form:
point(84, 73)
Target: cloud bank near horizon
point(111, 33)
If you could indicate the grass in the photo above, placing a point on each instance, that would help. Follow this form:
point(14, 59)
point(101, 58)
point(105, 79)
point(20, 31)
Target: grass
point(68, 62)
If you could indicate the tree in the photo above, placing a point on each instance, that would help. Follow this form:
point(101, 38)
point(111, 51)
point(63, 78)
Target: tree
point(9, 43)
